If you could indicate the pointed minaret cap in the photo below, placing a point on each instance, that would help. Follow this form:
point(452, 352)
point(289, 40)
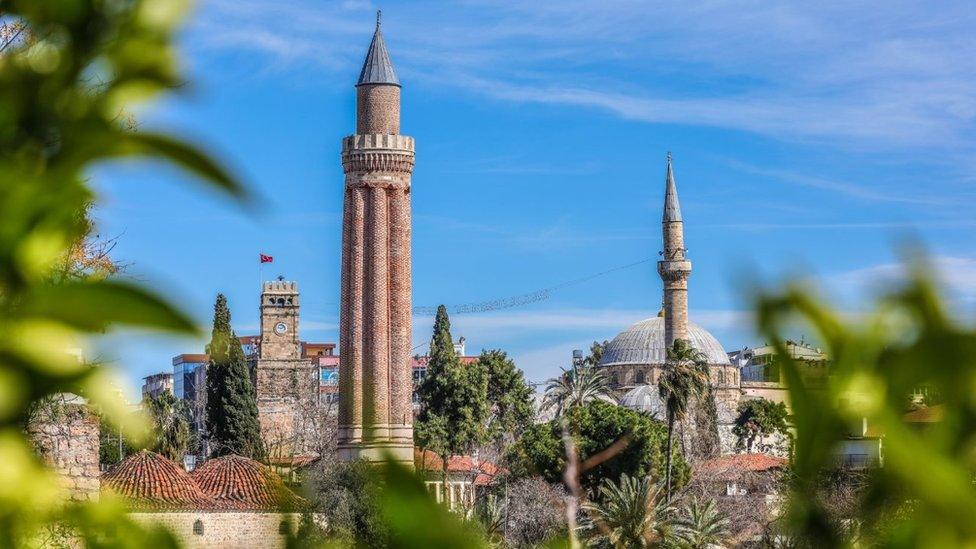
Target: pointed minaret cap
point(672, 211)
point(378, 69)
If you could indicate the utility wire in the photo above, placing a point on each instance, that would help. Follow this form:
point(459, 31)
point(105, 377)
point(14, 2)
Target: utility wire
point(523, 299)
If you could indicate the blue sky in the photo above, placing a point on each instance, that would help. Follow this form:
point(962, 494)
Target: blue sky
point(809, 139)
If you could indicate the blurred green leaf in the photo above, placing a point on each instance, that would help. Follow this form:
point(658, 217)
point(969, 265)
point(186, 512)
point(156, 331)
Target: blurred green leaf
point(416, 520)
point(183, 155)
point(94, 306)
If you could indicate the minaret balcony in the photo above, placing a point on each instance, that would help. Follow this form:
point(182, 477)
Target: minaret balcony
point(674, 269)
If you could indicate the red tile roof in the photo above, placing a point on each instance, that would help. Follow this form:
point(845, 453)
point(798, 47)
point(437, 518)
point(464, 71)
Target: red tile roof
point(925, 414)
point(150, 481)
point(422, 360)
point(244, 484)
point(736, 464)
point(484, 471)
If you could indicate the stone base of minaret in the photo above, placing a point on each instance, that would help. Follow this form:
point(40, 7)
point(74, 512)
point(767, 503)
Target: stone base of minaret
point(387, 442)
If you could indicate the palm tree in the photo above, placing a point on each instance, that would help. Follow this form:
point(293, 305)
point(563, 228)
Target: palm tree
point(685, 378)
point(575, 387)
point(628, 514)
point(700, 525)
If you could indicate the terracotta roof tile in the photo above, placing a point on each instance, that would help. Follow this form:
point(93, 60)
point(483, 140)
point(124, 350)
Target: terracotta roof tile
point(925, 414)
point(735, 464)
point(240, 483)
point(485, 471)
point(151, 481)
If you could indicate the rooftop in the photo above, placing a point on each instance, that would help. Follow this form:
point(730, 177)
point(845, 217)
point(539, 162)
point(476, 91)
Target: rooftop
point(240, 483)
point(735, 464)
point(153, 482)
point(483, 471)
point(378, 68)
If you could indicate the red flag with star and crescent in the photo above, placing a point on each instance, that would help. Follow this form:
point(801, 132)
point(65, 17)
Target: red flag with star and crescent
point(266, 258)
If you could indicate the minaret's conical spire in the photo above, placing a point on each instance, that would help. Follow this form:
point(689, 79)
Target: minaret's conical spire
point(377, 68)
point(672, 210)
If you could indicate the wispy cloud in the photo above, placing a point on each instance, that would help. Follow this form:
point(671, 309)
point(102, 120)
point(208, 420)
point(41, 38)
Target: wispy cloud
point(835, 72)
point(958, 273)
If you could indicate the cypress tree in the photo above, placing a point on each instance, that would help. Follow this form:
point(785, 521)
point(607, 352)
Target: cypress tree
point(232, 409)
point(453, 398)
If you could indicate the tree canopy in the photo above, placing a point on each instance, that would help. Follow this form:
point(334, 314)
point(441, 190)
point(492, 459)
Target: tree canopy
point(759, 418)
point(453, 398)
point(636, 441)
point(509, 397)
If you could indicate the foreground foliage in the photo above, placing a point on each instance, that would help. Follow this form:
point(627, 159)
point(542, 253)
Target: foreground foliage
point(60, 97)
point(923, 496)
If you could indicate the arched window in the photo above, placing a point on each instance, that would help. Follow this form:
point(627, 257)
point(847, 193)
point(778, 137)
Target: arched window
point(198, 527)
point(640, 378)
point(284, 528)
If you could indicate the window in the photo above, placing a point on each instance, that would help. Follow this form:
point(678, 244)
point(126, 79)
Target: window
point(640, 378)
point(198, 528)
point(284, 528)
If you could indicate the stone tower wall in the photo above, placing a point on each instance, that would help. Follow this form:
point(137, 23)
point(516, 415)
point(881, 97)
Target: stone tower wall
point(280, 304)
point(285, 384)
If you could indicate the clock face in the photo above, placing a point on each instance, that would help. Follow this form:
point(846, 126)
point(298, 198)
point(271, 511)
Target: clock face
point(280, 328)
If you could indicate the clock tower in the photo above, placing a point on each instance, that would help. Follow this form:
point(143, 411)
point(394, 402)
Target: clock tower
point(279, 321)
point(285, 383)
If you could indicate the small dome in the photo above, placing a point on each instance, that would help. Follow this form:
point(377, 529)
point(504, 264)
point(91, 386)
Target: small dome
point(644, 398)
point(240, 483)
point(643, 343)
point(151, 481)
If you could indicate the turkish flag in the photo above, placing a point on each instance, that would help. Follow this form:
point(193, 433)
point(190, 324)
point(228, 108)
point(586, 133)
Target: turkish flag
point(266, 258)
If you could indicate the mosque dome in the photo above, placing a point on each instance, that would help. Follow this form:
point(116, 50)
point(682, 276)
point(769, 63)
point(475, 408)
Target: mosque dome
point(643, 343)
point(644, 398)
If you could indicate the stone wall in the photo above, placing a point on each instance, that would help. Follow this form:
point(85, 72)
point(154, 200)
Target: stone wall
point(224, 530)
point(65, 433)
point(287, 392)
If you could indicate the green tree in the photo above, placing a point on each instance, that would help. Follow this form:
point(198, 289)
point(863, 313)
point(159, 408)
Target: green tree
point(759, 418)
point(170, 432)
point(628, 514)
point(577, 386)
point(700, 525)
point(611, 440)
point(685, 378)
point(453, 399)
point(596, 353)
point(508, 395)
point(232, 410)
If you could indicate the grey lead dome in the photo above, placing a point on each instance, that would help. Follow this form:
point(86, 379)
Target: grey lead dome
point(643, 343)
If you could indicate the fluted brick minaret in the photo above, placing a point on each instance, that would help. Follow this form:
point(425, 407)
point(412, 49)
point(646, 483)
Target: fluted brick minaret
point(674, 267)
point(375, 414)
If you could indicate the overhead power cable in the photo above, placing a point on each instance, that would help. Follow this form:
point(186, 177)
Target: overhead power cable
point(522, 299)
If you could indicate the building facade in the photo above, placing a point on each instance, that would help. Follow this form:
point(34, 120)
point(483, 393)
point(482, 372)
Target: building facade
point(375, 412)
point(157, 384)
